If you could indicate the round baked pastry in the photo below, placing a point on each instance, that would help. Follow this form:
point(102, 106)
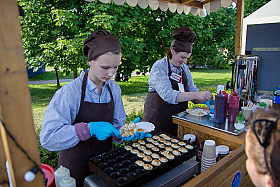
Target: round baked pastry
point(135, 144)
point(163, 159)
point(156, 137)
point(148, 167)
point(128, 147)
point(176, 153)
point(155, 149)
point(150, 139)
point(147, 158)
point(156, 162)
point(134, 151)
point(164, 152)
point(141, 155)
point(168, 149)
point(149, 145)
point(161, 140)
point(142, 148)
point(189, 146)
point(161, 145)
point(167, 137)
point(148, 152)
point(142, 142)
point(175, 146)
point(155, 142)
point(154, 155)
point(140, 163)
point(183, 150)
point(174, 140)
point(169, 156)
point(162, 135)
point(182, 143)
point(167, 143)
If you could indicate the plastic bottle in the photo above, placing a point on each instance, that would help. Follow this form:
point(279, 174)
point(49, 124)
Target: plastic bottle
point(226, 102)
point(276, 95)
point(233, 107)
point(219, 108)
point(60, 173)
point(67, 182)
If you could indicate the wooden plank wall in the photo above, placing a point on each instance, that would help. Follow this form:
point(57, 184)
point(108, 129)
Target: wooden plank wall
point(15, 100)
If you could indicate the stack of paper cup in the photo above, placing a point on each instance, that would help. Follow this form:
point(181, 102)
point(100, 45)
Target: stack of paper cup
point(208, 155)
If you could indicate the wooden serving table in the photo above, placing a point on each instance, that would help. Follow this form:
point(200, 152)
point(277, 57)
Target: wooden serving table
point(223, 172)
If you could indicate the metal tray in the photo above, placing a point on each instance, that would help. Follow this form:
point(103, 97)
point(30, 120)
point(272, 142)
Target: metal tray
point(140, 176)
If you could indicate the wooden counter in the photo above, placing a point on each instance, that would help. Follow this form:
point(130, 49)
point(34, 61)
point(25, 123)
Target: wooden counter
point(223, 172)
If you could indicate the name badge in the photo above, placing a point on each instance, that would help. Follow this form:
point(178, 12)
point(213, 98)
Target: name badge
point(175, 77)
point(181, 87)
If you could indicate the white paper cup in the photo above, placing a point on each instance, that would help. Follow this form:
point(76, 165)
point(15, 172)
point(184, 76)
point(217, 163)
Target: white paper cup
point(246, 112)
point(209, 149)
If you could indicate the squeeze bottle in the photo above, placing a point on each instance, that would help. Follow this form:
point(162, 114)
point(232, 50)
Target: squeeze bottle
point(226, 101)
point(60, 173)
point(67, 182)
point(233, 107)
point(219, 108)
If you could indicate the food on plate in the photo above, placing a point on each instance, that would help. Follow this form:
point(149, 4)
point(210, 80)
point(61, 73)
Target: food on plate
point(175, 146)
point(141, 155)
point(163, 159)
point(148, 167)
point(128, 129)
point(156, 163)
point(154, 155)
point(147, 158)
point(183, 150)
point(182, 143)
point(196, 112)
point(176, 152)
point(127, 147)
point(139, 163)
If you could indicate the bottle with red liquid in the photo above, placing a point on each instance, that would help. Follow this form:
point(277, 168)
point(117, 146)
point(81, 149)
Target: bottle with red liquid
point(219, 108)
point(233, 107)
point(226, 101)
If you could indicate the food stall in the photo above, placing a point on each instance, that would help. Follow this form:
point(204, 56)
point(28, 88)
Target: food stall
point(15, 102)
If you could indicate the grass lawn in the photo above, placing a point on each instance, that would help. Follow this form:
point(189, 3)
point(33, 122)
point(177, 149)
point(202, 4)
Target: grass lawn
point(134, 91)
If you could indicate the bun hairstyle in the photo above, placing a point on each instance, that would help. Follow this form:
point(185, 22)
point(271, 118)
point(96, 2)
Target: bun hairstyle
point(184, 38)
point(100, 42)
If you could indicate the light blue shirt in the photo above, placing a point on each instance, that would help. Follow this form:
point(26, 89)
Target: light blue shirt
point(159, 80)
point(57, 131)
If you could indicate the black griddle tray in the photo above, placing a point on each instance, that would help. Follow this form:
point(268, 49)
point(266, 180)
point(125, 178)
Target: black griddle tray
point(117, 168)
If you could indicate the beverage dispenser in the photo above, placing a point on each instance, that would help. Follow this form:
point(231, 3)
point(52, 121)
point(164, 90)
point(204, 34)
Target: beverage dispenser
point(245, 76)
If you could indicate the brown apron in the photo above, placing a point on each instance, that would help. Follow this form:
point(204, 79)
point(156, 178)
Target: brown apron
point(159, 112)
point(76, 159)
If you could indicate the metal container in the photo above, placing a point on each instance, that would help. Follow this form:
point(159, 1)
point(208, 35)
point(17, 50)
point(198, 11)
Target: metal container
point(246, 75)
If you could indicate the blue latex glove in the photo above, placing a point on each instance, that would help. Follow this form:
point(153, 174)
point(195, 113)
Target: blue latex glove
point(103, 130)
point(208, 103)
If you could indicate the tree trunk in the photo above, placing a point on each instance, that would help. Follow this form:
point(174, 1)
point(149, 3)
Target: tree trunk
point(117, 77)
point(75, 74)
point(57, 79)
